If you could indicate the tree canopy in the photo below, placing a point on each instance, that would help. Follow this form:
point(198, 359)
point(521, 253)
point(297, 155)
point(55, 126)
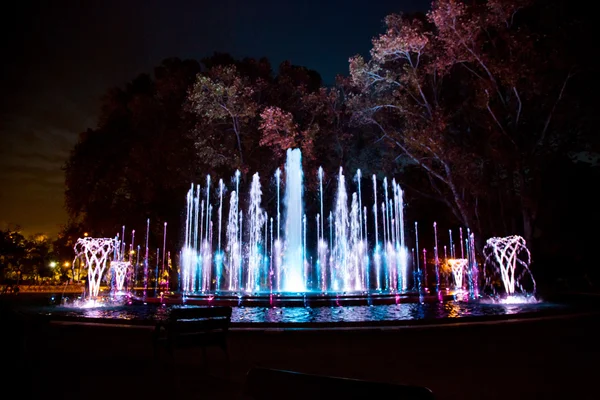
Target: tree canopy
point(481, 97)
point(163, 132)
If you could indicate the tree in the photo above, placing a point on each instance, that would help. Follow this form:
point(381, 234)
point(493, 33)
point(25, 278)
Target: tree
point(399, 97)
point(280, 132)
point(223, 96)
point(13, 248)
point(160, 133)
point(316, 123)
point(63, 246)
point(139, 158)
point(23, 258)
point(38, 257)
point(469, 96)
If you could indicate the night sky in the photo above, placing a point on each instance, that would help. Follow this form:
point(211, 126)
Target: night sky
point(60, 57)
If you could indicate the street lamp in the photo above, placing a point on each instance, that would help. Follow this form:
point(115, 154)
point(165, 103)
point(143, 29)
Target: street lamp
point(52, 264)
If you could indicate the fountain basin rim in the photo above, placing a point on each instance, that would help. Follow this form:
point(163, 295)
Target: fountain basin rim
point(268, 327)
point(418, 324)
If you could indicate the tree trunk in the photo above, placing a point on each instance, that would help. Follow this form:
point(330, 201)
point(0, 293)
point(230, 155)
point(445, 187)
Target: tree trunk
point(527, 210)
point(527, 225)
point(459, 202)
point(236, 129)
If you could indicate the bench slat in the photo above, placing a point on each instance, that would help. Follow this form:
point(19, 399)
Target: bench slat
point(199, 312)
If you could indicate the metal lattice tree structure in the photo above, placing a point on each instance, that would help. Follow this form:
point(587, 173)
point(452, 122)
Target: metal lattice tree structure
point(458, 266)
point(96, 252)
point(120, 268)
point(507, 253)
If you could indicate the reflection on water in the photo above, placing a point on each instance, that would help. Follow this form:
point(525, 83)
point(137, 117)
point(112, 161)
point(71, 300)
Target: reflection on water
point(393, 312)
point(452, 309)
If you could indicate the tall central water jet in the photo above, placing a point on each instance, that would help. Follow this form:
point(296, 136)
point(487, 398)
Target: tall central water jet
point(293, 260)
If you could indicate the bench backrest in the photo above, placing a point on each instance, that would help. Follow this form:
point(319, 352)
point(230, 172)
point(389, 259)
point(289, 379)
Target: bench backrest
point(274, 384)
point(199, 319)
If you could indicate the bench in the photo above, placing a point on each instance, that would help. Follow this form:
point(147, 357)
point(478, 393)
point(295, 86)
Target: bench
point(271, 384)
point(193, 327)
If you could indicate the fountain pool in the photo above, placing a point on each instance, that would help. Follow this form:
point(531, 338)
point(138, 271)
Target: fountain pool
point(358, 314)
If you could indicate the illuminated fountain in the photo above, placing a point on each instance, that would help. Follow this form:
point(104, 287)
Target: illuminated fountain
point(120, 269)
point(509, 258)
point(272, 254)
point(96, 252)
point(458, 266)
point(121, 264)
point(355, 259)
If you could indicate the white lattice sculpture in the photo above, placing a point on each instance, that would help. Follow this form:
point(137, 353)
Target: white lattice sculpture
point(458, 266)
point(96, 252)
point(120, 268)
point(508, 252)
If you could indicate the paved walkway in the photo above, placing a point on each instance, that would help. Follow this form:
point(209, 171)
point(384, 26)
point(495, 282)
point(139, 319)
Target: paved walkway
point(543, 359)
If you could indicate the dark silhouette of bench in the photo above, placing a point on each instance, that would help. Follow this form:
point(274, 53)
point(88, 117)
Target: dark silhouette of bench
point(188, 327)
point(267, 384)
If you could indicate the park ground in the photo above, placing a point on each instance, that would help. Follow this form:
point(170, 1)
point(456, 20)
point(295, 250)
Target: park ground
point(541, 358)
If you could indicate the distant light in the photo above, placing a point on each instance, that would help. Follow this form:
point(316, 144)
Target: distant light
point(52, 264)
